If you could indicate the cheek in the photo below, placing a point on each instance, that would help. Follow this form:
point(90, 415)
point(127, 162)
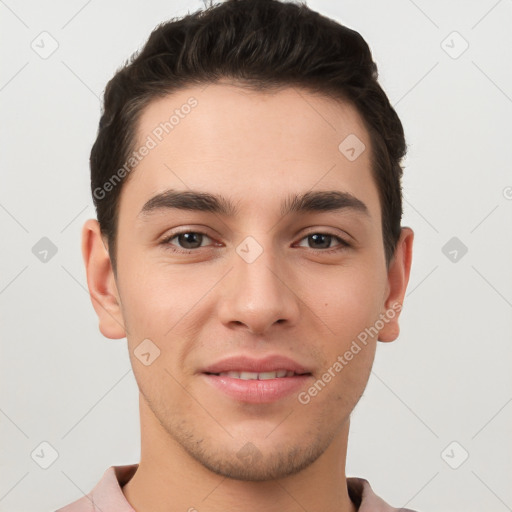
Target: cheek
point(348, 301)
point(349, 307)
point(340, 383)
point(157, 297)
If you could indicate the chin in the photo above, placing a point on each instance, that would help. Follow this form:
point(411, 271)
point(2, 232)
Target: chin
point(249, 463)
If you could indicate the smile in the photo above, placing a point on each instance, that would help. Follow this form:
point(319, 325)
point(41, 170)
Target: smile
point(243, 375)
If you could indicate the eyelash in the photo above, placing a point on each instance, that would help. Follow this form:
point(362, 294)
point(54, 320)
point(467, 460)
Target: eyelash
point(343, 244)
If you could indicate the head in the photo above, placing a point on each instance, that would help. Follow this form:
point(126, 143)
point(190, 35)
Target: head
point(263, 105)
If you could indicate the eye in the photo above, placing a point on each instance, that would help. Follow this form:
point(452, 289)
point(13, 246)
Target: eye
point(324, 241)
point(188, 240)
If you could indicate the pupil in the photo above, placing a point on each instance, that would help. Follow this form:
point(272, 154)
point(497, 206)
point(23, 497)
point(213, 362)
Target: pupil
point(186, 239)
point(318, 235)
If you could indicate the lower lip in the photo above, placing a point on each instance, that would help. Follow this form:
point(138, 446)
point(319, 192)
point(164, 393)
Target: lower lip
point(257, 391)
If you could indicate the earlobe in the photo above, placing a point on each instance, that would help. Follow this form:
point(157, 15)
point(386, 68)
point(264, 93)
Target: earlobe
point(398, 278)
point(101, 282)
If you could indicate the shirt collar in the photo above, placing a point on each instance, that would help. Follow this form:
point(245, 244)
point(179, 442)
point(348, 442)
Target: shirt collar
point(108, 495)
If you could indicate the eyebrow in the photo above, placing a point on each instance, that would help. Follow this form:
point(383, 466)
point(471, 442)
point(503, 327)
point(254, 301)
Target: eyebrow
point(311, 201)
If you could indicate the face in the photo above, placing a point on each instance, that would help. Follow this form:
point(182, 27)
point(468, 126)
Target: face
point(260, 278)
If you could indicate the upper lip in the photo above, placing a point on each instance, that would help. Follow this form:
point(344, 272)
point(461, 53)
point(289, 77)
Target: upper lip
point(243, 363)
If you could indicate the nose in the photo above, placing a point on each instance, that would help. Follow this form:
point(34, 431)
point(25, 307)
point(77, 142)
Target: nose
point(258, 294)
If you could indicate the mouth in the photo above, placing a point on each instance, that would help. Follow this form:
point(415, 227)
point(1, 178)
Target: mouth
point(245, 379)
point(248, 375)
point(257, 388)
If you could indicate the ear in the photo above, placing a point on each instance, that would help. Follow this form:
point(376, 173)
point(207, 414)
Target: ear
point(398, 277)
point(101, 282)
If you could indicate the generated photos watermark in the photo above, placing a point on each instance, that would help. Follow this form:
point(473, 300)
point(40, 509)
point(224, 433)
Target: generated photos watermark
point(304, 397)
point(156, 136)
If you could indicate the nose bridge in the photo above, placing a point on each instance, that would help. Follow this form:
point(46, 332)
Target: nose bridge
point(257, 295)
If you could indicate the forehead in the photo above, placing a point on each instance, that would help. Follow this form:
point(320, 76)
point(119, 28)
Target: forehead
point(252, 146)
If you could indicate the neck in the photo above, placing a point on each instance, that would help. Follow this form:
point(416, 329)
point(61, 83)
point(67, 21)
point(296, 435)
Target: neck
point(168, 479)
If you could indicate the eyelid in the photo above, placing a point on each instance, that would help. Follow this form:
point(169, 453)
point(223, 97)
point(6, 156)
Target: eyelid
point(342, 242)
point(342, 235)
point(169, 233)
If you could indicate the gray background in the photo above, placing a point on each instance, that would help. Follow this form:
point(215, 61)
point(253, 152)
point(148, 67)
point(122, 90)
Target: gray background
point(447, 378)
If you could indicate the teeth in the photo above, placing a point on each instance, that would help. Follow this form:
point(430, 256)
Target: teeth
point(258, 376)
point(248, 375)
point(268, 375)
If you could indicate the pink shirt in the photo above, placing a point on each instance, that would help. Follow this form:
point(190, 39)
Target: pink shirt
point(107, 495)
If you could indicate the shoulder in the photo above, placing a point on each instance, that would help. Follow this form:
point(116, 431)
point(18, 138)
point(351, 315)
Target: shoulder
point(106, 494)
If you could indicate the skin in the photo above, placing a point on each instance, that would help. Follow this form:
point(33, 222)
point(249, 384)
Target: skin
point(254, 148)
